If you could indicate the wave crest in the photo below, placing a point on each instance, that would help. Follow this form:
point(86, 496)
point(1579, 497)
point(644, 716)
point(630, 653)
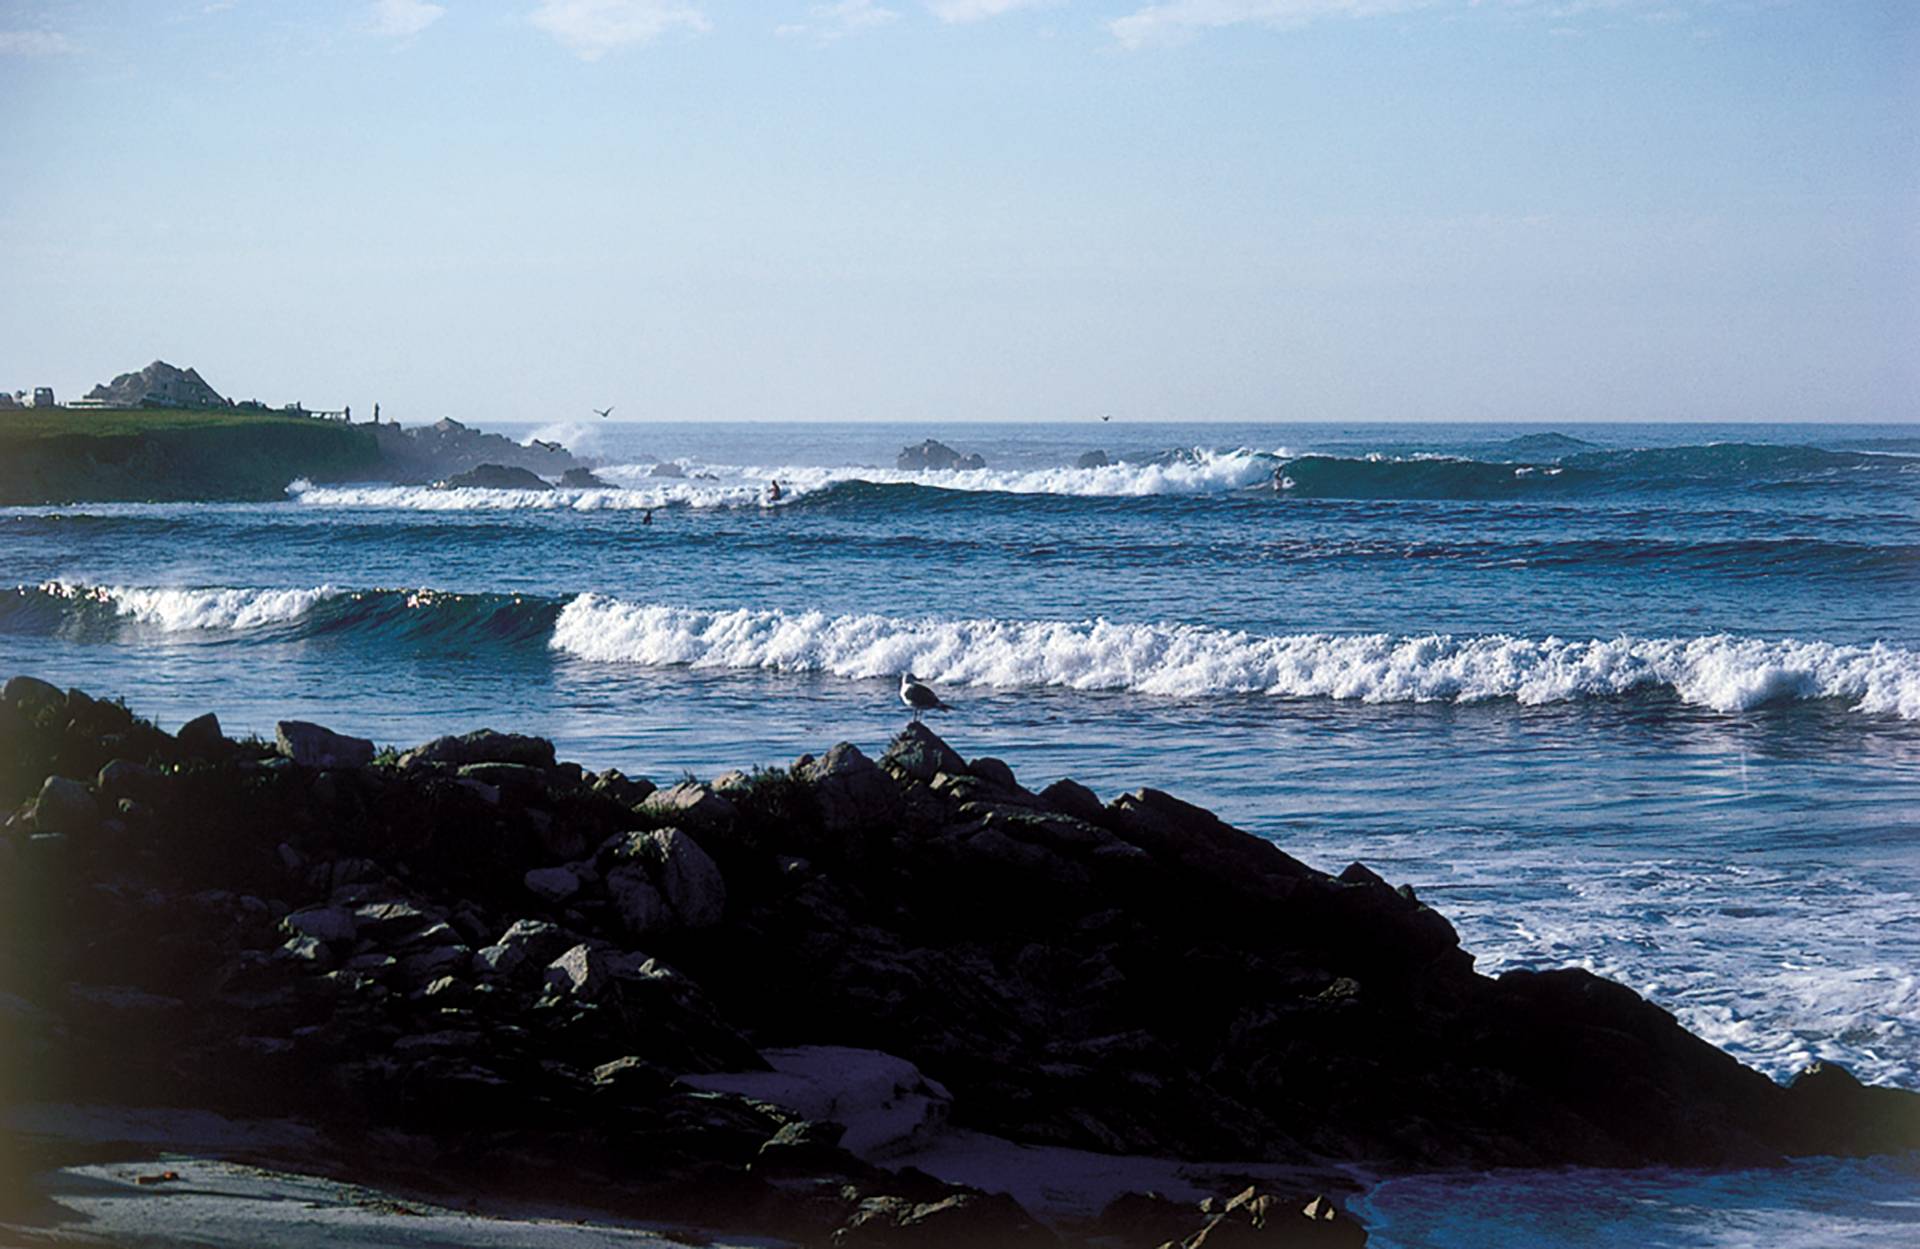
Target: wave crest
point(1722, 672)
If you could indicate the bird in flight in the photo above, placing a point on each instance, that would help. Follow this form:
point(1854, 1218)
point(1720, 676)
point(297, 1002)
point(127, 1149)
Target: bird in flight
point(1107, 417)
point(919, 697)
point(602, 412)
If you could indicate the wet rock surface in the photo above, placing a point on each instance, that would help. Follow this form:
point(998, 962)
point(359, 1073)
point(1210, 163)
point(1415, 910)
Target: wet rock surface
point(553, 973)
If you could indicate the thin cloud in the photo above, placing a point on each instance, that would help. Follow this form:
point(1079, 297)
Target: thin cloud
point(400, 19)
point(1176, 21)
point(36, 43)
point(593, 28)
point(978, 10)
point(828, 22)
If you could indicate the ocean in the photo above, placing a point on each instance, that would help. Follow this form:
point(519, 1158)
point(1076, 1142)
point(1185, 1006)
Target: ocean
point(1638, 698)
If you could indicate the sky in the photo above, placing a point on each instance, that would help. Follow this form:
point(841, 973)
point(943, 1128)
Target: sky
point(1351, 210)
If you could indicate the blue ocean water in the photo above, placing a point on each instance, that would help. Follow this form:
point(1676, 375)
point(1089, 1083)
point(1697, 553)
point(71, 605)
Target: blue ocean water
point(1644, 699)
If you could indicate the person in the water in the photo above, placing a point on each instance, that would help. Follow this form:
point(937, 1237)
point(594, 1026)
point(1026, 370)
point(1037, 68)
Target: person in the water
point(774, 493)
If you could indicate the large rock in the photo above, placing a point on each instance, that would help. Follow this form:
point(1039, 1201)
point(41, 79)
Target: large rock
point(312, 746)
point(65, 806)
point(498, 477)
point(688, 876)
point(689, 804)
point(582, 479)
point(850, 789)
point(919, 754)
point(482, 746)
point(29, 692)
point(1092, 459)
point(932, 456)
point(159, 385)
point(201, 737)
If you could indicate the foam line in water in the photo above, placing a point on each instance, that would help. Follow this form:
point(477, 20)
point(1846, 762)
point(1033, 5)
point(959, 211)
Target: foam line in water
point(1722, 672)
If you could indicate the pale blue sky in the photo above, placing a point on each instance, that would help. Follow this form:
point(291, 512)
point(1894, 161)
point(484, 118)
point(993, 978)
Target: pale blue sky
point(994, 209)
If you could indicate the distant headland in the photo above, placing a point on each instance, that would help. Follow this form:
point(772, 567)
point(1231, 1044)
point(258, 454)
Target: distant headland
point(163, 434)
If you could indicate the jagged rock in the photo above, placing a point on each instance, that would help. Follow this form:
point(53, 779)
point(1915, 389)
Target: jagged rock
point(582, 479)
point(919, 754)
point(1258, 1220)
point(123, 778)
point(850, 789)
point(482, 746)
point(935, 456)
point(688, 877)
point(1092, 459)
point(1070, 797)
point(581, 972)
point(311, 746)
point(159, 385)
point(527, 942)
point(201, 737)
point(963, 1221)
point(322, 923)
point(24, 691)
point(667, 468)
point(497, 477)
point(628, 791)
point(689, 804)
point(65, 806)
point(631, 1079)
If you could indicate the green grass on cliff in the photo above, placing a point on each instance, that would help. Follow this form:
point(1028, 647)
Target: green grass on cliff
point(62, 455)
point(19, 425)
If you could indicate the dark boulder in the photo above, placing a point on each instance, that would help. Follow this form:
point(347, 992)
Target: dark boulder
point(201, 738)
point(582, 479)
point(933, 456)
point(482, 746)
point(1092, 459)
point(311, 746)
point(497, 477)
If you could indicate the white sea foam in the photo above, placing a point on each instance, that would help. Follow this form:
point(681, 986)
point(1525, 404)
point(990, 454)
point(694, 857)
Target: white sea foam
point(1722, 672)
point(635, 486)
point(181, 609)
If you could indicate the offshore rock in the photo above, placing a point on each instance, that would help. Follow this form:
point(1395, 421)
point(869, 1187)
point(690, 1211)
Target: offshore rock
point(497, 477)
point(935, 457)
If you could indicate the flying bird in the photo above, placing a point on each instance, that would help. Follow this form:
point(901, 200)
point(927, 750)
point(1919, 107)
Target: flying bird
point(1107, 418)
point(919, 697)
point(603, 412)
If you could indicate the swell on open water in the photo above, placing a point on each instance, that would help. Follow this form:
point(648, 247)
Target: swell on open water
point(1642, 699)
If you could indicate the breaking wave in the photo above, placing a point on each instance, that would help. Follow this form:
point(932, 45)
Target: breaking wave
point(1539, 473)
point(1722, 672)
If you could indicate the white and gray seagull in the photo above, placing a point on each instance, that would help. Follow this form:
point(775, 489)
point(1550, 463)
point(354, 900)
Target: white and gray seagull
point(919, 697)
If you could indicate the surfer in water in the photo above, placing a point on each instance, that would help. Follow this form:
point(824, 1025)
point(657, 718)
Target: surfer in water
point(774, 493)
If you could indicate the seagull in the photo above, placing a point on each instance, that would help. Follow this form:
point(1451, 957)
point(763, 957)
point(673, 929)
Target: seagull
point(1106, 418)
point(602, 412)
point(919, 697)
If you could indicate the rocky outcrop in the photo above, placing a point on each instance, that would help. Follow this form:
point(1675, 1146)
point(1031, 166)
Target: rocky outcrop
point(582, 479)
point(496, 477)
point(935, 456)
point(1092, 459)
point(446, 449)
point(521, 960)
point(159, 385)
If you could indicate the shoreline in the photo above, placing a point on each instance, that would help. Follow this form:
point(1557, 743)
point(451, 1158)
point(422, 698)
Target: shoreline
point(760, 995)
